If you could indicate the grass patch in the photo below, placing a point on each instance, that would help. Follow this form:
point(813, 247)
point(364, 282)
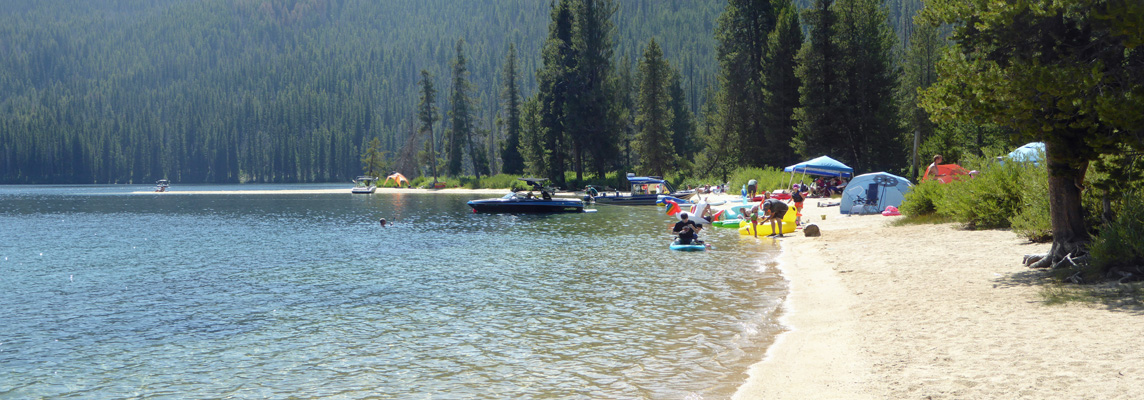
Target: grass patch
point(1119, 295)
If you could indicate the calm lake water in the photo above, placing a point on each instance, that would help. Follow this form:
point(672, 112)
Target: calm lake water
point(109, 294)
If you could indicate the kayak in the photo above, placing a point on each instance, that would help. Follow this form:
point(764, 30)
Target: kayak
point(687, 247)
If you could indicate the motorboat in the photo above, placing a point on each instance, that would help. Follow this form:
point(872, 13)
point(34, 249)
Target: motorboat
point(645, 191)
point(364, 185)
point(518, 202)
point(162, 185)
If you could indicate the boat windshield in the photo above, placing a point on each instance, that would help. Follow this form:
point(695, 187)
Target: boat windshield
point(509, 196)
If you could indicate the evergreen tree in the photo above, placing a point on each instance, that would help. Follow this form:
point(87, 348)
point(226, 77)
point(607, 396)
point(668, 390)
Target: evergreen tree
point(554, 83)
point(653, 142)
point(460, 121)
point(532, 137)
point(742, 45)
point(848, 105)
point(920, 71)
point(717, 158)
point(870, 132)
point(682, 126)
point(374, 160)
point(818, 71)
point(590, 130)
point(1066, 73)
point(781, 85)
point(512, 163)
point(427, 114)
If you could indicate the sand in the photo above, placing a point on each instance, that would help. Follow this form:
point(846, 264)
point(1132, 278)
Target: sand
point(936, 312)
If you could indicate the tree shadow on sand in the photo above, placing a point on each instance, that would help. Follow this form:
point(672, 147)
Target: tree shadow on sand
point(1112, 296)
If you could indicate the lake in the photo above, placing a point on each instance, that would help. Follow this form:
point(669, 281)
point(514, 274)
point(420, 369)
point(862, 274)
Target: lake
point(111, 293)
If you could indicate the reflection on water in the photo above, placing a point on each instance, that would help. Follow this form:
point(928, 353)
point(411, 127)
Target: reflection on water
point(110, 295)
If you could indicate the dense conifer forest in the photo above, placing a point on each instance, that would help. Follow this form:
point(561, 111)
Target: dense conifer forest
point(110, 91)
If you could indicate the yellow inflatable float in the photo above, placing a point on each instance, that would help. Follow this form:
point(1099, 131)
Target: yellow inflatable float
point(765, 229)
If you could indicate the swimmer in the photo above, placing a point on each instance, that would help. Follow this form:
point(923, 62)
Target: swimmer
point(382, 221)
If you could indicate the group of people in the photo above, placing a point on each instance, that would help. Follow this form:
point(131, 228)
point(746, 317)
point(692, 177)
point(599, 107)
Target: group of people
point(826, 187)
point(769, 210)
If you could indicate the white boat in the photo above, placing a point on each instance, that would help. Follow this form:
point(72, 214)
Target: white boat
point(162, 185)
point(364, 185)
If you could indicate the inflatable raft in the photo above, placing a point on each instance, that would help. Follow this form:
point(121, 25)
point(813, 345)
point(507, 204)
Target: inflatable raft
point(687, 247)
point(765, 228)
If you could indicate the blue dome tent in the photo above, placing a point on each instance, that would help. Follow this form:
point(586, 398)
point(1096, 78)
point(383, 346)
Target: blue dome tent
point(871, 193)
point(1031, 152)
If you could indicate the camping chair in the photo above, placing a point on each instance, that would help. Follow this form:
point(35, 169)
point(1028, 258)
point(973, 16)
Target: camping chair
point(868, 200)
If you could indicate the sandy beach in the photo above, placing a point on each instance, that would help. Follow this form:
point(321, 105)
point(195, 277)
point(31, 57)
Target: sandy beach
point(935, 312)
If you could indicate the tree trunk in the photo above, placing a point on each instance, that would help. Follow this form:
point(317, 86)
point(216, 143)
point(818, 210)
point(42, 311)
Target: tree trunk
point(1066, 175)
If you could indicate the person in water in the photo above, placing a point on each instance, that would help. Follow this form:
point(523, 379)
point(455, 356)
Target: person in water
point(382, 222)
point(687, 230)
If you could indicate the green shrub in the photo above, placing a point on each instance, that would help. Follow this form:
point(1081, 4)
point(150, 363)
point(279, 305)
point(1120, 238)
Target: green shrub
point(769, 179)
point(1032, 220)
point(1120, 244)
point(986, 201)
point(921, 199)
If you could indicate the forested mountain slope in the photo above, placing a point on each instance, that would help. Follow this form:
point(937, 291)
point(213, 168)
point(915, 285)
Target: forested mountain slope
point(268, 91)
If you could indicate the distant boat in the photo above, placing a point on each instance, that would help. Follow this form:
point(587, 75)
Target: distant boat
point(364, 185)
point(162, 185)
point(645, 191)
point(527, 202)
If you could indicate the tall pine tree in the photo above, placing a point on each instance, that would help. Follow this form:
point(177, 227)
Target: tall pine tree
point(817, 70)
point(590, 130)
point(554, 82)
point(653, 120)
point(512, 163)
point(460, 119)
point(780, 85)
point(742, 46)
point(427, 114)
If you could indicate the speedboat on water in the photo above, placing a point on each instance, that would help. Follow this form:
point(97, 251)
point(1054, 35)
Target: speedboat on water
point(645, 191)
point(517, 202)
point(162, 185)
point(364, 185)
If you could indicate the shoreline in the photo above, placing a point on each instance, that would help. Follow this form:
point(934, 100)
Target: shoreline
point(932, 311)
point(331, 191)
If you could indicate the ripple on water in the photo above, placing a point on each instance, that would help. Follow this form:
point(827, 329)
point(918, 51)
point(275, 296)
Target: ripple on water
point(304, 295)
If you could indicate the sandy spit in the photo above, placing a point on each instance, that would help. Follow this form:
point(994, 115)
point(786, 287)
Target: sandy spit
point(935, 312)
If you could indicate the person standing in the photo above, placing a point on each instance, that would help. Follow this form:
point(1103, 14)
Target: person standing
point(932, 170)
point(752, 187)
point(774, 210)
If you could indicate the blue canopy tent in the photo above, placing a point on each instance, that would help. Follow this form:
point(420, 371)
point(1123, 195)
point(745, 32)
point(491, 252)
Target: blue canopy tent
point(824, 165)
point(871, 193)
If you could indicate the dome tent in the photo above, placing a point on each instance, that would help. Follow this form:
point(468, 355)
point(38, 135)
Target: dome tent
point(871, 193)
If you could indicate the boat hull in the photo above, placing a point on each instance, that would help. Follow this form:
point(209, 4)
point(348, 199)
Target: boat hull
point(363, 190)
point(526, 206)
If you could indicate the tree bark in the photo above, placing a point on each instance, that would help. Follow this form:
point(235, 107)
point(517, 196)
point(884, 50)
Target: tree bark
point(1066, 176)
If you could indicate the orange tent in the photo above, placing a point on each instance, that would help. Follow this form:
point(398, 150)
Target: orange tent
point(397, 178)
point(946, 173)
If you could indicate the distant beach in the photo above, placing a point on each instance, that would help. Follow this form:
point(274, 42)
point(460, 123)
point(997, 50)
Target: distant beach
point(933, 311)
point(345, 191)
